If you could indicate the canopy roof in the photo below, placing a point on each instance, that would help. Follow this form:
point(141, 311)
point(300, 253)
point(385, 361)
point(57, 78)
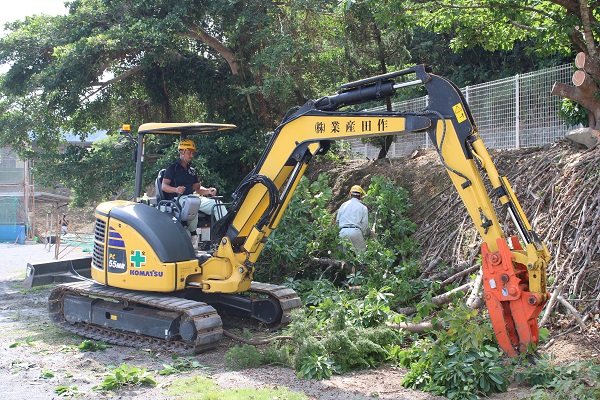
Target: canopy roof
point(183, 128)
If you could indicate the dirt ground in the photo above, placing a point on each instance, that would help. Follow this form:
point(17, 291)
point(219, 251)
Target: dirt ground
point(36, 357)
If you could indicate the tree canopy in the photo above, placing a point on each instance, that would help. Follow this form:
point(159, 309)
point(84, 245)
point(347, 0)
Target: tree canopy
point(109, 62)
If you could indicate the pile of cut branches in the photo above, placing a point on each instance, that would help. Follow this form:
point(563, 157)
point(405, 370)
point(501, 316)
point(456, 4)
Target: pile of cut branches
point(559, 190)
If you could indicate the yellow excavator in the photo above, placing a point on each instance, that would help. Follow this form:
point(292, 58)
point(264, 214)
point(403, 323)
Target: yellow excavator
point(147, 285)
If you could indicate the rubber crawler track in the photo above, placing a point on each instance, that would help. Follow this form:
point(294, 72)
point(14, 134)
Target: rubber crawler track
point(288, 298)
point(206, 319)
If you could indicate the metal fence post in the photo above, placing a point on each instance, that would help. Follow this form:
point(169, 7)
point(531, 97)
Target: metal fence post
point(517, 112)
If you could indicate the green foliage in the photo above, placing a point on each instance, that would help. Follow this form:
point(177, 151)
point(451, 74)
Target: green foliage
point(492, 25)
point(90, 345)
point(292, 243)
point(317, 367)
point(248, 356)
point(66, 390)
point(461, 361)
point(180, 364)
point(126, 375)
point(46, 374)
point(573, 113)
point(575, 380)
point(28, 341)
point(388, 260)
point(322, 347)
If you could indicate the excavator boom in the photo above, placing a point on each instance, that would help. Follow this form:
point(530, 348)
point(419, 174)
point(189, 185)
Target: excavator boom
point(514, 269)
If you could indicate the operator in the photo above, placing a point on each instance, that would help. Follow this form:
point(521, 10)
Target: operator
point(353, 219)
point(181, 179)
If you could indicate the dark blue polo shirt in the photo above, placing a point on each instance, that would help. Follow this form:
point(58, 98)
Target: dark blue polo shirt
point(181, 176)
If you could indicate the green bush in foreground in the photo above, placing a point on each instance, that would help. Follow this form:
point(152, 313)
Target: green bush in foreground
point(575, 380)
point(248, 356)
point(126, 375)
point(460, 362)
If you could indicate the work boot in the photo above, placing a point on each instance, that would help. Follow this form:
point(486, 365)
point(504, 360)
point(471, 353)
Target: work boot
point(195, 241)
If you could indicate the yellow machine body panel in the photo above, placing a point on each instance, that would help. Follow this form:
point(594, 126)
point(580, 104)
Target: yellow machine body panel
point(131, 252)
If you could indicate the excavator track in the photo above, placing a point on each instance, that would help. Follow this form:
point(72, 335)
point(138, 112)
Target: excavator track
point(288, 299)
point(197, 321)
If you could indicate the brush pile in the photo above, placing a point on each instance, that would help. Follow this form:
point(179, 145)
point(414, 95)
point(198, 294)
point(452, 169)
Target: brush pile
point(559, 190)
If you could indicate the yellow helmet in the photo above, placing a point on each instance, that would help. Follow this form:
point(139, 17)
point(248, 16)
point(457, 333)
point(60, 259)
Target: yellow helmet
point(357, 189)
point(187, 144)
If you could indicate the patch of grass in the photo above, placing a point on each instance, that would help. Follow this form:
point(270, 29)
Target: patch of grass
point(34, 290)
point(126, 375)
point(180, 364)
point(203, 388)
point(91, 345)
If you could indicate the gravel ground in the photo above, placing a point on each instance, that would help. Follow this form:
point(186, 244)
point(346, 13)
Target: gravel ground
point(31, 347)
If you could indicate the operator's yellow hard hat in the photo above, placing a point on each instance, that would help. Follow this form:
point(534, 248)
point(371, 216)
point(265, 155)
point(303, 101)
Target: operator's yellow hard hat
point(357, 189)
point(187, 144)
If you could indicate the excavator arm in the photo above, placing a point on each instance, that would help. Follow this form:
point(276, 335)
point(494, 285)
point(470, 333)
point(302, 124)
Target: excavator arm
point(514, 267)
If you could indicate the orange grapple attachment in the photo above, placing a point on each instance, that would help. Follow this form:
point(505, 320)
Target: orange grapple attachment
point(513, 308)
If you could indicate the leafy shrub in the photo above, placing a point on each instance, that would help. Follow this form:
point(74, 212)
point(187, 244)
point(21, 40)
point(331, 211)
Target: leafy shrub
point(573, 113)
point(180, 364)
point(289, 245)
point(315, 342)
point(248, 356)
point(460, 362)
point(317, 367)
point(90, 345)
point(575, 380)
point(126, 375)
point(66, 390)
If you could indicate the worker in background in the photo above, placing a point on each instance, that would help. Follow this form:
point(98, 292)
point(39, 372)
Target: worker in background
point(181, 179)
point(353, 219)
point(64, 223)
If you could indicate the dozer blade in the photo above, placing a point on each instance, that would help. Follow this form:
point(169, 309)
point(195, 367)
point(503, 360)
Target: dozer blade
point(513, 309)
point(60, 271)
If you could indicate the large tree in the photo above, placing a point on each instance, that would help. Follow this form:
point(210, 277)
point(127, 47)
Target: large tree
point(109, 62)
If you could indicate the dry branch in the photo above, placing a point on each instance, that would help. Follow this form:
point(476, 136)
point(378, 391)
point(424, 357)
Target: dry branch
point(572, 310)
point(415, 328)
point(550, 305)
point(442, 299)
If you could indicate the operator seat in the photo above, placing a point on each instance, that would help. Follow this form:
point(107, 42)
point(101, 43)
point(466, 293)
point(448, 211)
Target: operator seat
point(184, 213)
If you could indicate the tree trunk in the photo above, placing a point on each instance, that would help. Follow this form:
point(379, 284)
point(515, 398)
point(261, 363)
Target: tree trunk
point(585, 87)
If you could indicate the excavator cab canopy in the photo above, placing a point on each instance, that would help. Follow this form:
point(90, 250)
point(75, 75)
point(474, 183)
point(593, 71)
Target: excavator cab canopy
point(183, 130)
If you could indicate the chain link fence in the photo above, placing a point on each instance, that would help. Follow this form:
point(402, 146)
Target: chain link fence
point(515, 112)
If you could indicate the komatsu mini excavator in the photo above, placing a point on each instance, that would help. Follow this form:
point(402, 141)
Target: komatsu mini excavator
point(148, 286)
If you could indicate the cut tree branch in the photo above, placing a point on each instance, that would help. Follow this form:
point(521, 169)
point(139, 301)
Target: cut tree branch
point(573, 311)
point(589, 64)
point(442, 299)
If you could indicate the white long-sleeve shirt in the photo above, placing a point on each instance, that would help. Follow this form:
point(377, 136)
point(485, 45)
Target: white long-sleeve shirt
point(353, 214)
